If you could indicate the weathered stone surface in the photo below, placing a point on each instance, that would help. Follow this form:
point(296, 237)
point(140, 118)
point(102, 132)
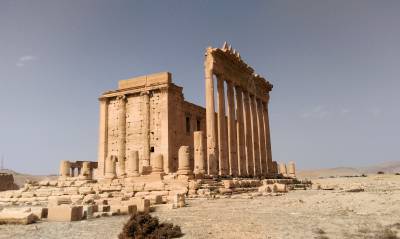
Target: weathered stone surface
point(143, 205)
point(17, 217)
point(40, 212)
point(58, 200)
point(154, 186)
point(65, 213)
point(124, 209)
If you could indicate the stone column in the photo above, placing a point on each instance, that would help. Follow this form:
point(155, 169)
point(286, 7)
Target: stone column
point(146, 129)
point(222, 149)
point(261, 134)
point(73, 171)
point(85, 171)
point(248, 134)
point(256, 150)
point(157, 164)
point(133, 164)
point(233, 162)
point(121, 135)
point(241, 154)
point(65, 168)
point(199, 150)
point(110, 167)
point(103, 138)
point(212, 153)
point(184, 161)
point(267, 137)
point(282, 169)
point(291, 170)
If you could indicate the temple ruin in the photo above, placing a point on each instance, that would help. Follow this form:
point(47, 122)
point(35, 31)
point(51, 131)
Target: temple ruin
point(157, 148)
point(148, 116)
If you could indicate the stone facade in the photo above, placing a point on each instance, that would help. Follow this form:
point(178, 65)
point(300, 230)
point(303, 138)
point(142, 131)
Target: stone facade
point(147, 114)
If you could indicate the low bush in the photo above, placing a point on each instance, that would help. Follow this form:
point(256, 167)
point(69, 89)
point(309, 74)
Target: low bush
point(144, 226)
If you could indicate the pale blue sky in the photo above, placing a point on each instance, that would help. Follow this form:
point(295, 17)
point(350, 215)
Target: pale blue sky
point(334, 65)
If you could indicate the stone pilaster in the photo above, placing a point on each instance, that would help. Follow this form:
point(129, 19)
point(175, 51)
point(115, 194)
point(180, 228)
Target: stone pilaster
point(241, 152)
point(145, 162)
point(121, 135)
point(222, 140)
point(103, 137)
point(248, 134)
point(212, 153)
point(233, 162)
point(261, 134)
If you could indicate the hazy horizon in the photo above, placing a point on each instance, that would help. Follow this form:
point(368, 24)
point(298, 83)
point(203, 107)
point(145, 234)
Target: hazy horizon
point(334, 66)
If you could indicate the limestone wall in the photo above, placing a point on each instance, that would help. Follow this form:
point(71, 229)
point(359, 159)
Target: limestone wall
point(158, 120)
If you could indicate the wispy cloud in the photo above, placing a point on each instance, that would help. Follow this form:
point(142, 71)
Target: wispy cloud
point(23, 60)
point(318, 112)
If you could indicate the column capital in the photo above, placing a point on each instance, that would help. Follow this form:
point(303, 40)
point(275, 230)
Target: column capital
point(121, 97)
point(146, 92)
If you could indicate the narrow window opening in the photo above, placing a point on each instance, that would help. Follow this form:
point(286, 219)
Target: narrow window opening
point(187, 125)
point(198, 128)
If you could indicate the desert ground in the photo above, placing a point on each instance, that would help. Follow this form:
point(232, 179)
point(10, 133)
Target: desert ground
point(343, 207)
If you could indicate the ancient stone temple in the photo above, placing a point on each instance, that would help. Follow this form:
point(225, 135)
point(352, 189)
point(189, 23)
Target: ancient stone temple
point(156, 148)
point(148, 116)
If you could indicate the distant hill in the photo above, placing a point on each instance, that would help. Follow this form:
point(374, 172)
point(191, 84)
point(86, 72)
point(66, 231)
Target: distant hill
point(387, 167)
point(20, 178)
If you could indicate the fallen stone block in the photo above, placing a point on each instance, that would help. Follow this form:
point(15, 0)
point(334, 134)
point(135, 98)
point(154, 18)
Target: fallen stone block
point(279, 188)
point(17, 217)
point(124, 209)
point(58, 200)
point(178, 200)
point(155, 199)
point(89, 210)
point(104, 208)
point(154, 186)
point(143, 205)
point(65, 213)
point(86, 190)
point(43, 192)
point(40, 212)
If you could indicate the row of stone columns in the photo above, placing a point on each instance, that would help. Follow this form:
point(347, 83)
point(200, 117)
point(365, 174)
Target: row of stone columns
point(132, 165)
point(67, 170)
point(287, 171)
point(239, 143)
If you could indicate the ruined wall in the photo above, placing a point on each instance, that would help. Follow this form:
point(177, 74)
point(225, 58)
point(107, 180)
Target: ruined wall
point(7, 182)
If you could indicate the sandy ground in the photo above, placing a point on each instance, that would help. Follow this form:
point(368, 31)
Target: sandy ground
point(337, 213)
